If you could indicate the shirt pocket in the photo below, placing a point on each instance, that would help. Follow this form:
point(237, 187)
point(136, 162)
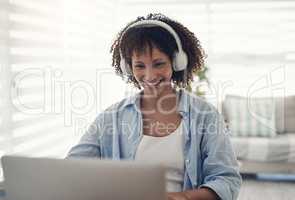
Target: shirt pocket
point(107, 146)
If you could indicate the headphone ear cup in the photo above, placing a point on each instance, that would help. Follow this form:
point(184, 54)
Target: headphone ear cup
point(180, 61)
point(125, 67)
point(122, 65)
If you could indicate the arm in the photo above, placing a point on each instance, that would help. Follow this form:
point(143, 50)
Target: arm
point(220, 170)
point(89, 144)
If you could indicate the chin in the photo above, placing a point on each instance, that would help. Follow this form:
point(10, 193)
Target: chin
point(156, 90)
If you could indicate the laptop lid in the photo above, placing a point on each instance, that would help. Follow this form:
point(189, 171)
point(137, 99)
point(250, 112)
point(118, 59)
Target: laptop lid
point(81, 179)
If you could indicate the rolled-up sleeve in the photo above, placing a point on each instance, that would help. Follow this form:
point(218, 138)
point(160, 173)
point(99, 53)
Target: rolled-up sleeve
point(220, 169)
point(89, 144)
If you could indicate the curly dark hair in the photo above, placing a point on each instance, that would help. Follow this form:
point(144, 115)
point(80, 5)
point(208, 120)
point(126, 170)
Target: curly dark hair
point(138, 39)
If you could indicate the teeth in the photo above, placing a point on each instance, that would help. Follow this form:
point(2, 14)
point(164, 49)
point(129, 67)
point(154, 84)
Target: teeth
point(152, 84)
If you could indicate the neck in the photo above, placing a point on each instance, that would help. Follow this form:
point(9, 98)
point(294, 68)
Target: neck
point(164, 102)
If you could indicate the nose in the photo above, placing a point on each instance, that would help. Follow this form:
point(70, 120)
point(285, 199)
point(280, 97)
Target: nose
point(150, 74)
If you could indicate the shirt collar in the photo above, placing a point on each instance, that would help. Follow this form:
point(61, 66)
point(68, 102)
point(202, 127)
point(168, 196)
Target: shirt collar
point(183, 101)
point(183, 105)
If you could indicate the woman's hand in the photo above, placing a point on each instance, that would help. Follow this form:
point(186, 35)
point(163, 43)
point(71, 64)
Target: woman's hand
point(203, 193)
point(177, 196)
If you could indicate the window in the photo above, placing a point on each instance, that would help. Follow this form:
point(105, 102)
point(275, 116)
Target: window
point(52, 53)
point(54, 60)
point(249, 43)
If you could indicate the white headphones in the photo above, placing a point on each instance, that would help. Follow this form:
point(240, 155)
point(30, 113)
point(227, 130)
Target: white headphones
point(180, 60)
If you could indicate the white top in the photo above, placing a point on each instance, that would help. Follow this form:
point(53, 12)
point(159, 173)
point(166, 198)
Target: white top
point(167, 151)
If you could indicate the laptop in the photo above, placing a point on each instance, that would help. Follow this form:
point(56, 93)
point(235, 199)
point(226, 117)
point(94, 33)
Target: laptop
point(81, 179)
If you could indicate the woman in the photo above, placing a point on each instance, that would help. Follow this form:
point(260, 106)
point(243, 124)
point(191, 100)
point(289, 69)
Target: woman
point(164, 123)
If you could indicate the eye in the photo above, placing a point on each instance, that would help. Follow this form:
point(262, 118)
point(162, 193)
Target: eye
point(139, 66)
point(159, 64)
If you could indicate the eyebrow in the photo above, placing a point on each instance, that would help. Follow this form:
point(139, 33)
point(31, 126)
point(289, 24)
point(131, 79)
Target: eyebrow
point(156, 60)
point(159, 59)
point(138, 62)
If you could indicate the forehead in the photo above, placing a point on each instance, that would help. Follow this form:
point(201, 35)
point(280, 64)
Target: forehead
point(149, 52)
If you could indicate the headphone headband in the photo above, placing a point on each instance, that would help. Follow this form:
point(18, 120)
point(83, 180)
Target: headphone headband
point(153, 23)
point(180, 59)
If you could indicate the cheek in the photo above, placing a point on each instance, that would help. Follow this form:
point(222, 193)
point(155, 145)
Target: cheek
point(137, 74)
point(168, 74)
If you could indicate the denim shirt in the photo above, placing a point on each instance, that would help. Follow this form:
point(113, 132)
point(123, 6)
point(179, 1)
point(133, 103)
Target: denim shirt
point(208, 154)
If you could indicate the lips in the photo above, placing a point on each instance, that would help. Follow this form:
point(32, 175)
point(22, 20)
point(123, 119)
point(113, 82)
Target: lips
point(152, 84)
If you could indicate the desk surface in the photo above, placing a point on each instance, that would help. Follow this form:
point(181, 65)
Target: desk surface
point(1, 194)
point(1, 190)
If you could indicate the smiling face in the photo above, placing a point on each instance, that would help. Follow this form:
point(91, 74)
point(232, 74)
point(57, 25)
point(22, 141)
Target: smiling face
point(152, 70)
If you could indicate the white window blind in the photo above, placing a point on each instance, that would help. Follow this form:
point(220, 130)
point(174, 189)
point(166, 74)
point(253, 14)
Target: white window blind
point(5, 109)
point(250, 44)
point(51, 55)
point(54, 60)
